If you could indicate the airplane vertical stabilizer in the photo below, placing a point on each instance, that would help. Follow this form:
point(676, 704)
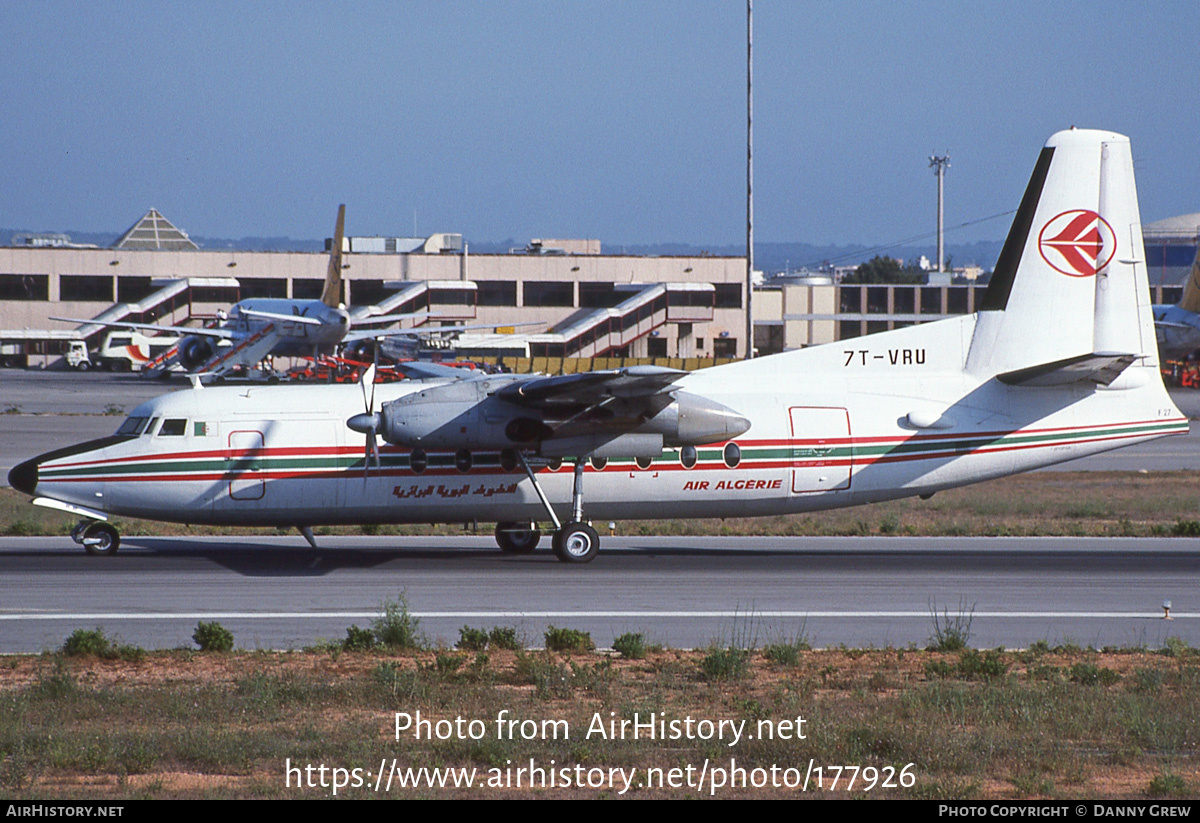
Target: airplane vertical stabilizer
point(1071, 279)
point(332, 295)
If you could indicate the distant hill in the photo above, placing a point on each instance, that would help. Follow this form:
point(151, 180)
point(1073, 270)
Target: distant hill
point(777, 257)
point(259, 244)
point(769, 257)
point(106, 239)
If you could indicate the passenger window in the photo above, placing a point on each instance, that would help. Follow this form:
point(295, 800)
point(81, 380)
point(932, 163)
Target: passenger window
point(173, 428)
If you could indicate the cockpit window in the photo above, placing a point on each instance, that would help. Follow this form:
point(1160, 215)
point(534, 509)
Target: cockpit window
point(132, 427)
point(173, 428)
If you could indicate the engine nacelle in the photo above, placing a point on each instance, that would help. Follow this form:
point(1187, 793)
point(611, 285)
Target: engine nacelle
point(195, 351)
point(460, 415)
point(693, 421)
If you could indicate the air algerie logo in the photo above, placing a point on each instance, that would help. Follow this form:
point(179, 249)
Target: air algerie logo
point(1077, 243)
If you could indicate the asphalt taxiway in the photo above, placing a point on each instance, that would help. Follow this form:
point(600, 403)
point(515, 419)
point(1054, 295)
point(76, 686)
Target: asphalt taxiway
point(276, 592)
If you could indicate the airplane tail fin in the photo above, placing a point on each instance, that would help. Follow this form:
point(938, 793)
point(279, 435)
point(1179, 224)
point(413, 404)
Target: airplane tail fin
point(332, 295)
point(1191, 288)
point(1070, 285)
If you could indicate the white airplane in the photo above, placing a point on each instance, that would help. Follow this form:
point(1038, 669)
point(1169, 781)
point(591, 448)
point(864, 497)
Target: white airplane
point(1178, 326)
point(1059, 363)
point(258, 327)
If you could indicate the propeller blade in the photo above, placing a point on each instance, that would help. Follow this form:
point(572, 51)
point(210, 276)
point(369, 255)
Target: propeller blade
point(373, 448)
point(368, 379)
point(369, 421)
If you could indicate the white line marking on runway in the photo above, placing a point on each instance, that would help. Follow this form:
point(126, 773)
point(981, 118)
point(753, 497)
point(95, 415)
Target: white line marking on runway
point(506, 614)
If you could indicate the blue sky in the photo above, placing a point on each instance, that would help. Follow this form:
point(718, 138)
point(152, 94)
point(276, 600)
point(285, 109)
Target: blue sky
point(618, 120)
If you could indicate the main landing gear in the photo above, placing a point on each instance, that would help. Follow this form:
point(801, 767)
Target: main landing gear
point(574, 541)
point(517, 538)
point(96, 537)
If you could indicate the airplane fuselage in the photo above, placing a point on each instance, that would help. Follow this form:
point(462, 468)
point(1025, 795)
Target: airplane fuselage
point(892, 416)
point(296, 338)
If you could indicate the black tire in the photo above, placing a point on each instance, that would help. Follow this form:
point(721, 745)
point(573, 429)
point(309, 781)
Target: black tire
point(516, 538)
point(576, 543)
point(82, 365)
point(109, 540)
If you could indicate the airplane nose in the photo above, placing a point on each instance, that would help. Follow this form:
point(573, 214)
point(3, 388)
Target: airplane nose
point(24, 476)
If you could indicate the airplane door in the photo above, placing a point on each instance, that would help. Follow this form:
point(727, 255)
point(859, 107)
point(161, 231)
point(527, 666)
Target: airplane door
point(822, 456)
point(241, 460)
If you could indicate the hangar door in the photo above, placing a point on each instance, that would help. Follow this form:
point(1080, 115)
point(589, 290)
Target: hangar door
point(822, 455)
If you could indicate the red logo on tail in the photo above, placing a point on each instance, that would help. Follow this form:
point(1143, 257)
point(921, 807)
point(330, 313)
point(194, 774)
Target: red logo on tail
point(1077, 243)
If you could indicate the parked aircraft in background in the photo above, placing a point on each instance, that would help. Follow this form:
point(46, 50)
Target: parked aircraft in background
point(258, 327)
point(1178, 326)
point(1058, 363)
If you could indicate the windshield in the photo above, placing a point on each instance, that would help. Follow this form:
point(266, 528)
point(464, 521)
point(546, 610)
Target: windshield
point(132, 427)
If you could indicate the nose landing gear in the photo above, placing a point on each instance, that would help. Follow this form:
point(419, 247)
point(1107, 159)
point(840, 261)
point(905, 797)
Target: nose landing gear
point(96, 537)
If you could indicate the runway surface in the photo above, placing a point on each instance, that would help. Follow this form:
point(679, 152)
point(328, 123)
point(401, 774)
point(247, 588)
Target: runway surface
point(276, 592)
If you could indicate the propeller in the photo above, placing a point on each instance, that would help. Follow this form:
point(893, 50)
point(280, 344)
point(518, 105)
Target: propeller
point(368, 422)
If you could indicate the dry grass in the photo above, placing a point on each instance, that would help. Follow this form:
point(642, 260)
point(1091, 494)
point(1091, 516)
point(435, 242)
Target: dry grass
point(1040, 723)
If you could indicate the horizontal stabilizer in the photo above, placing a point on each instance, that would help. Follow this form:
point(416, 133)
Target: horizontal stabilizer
point(1101, 367)
point(289, 318)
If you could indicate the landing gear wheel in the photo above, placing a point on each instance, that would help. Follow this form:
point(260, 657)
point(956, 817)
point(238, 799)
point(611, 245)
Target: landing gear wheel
point(101, 539)
point(576, 543)
point(517, 538)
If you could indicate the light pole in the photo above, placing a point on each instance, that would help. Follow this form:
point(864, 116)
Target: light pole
point(749, 179)
point(939, 166)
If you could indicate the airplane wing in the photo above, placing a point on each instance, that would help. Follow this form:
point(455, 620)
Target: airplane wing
point(421, 332)
point(630, 412)
point(418, 370)
point(224, 334)
point(384, 319)
point(590, 388)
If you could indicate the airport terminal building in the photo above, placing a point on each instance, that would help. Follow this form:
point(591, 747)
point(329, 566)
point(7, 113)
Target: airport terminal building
point(579, 302)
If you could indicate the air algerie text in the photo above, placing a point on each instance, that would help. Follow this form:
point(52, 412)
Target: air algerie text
point(740, 485)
